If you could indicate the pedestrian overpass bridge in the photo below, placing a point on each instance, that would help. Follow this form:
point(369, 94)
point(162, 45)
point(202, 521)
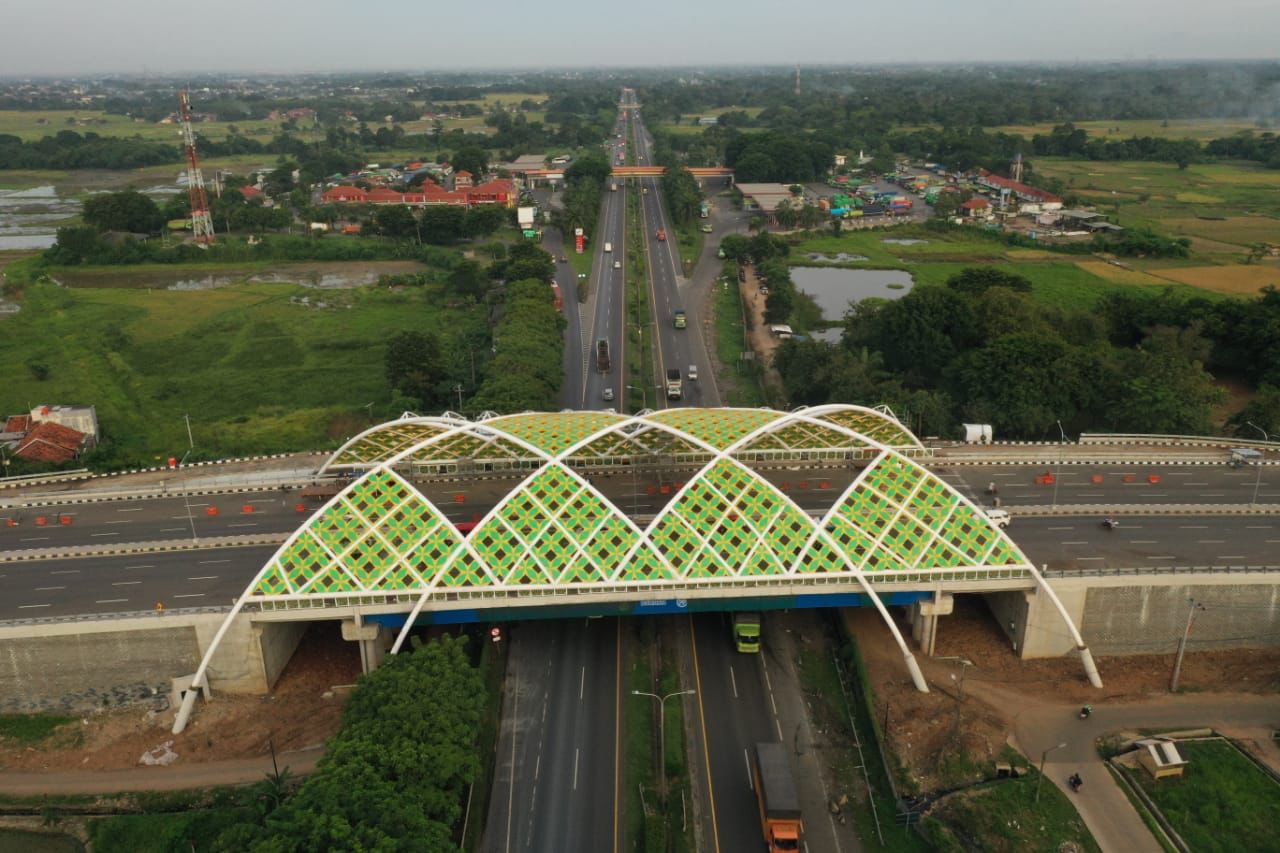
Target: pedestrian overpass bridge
point(659, 171)
point(727, 531)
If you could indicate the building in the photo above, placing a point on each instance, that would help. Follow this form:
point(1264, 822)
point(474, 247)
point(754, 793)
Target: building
point(976, 208)
point(462, 180)
point(1030, 199)
point(250, 192)
point(53, 434)
point(500, 191)
point(765, 198)
point(1160, 757)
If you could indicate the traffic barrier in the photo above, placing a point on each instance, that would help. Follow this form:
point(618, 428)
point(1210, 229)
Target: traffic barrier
point(459, 499)
point(664, 489)
point(12, 522)
point(247, 509)
point(1096, 479)
point(1046, 480)
point(786, 486)
point(803, 485)
point(1129, 478)
point(64, 520)
point(824, 484)
point(211, 510)
point(1153, 479)
point(651, 490)
point(41, 520)
point(299, 507)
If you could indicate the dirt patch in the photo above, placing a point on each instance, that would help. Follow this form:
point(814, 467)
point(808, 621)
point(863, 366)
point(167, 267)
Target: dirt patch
point(1244, 279)
point(293, 716)
point(938, 752)
point(763, 343)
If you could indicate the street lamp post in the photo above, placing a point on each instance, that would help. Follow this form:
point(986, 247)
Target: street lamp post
point(1058, 473)
point(1182, 644)
point(644, 396)
point(662, 732)
point(1043, 756)
point(1257, 480)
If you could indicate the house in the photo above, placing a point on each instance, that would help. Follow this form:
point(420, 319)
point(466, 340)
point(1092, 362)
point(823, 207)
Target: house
point(80, 418)
point(250, 192)
point(344, 195)
point(976, 208)
point(462, 180)
point(51, 442)
point(1031, 199)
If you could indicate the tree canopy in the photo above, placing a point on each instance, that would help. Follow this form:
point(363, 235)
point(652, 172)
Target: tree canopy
point(123, 211)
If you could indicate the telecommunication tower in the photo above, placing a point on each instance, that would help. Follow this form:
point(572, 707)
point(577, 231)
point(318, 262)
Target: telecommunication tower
point(201, 222)
point(1016, 170)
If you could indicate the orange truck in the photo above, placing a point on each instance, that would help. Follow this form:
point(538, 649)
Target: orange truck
point(779, 802)
point(661, 235)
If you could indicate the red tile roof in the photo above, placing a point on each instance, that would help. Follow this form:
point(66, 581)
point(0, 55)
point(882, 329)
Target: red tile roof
point(250, 192)
point(976, 204)
point(1018, 187)
point(50, 442)
point(17, 423)
point(345, 194)
point(464, 174)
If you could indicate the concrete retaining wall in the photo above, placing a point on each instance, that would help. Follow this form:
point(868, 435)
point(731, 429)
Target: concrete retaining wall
point(75, 667)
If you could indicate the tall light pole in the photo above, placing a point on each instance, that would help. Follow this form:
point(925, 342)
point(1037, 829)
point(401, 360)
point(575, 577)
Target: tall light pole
point(1043, 756)
point(1182, 644)
point(662, 732)
point(1058, 473)
point(1257, 480)
point(644, 396)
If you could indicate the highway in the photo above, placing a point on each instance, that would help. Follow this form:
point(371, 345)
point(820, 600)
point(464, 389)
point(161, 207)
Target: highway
point(574, 336)
point(557, 775)
point(1076, 543)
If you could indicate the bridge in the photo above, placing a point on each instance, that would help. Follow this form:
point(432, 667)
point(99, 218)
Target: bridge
point(727, 530)
point(659, 171)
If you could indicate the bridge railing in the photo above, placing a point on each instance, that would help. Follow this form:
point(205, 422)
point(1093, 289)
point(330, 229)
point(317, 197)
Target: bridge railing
point(1197, 440)
point(1141, 571)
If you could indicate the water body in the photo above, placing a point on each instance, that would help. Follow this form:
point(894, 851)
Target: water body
point(330, 275)
point(838, 256)
point(833, 289)
point(27, 217)
point(904, 241)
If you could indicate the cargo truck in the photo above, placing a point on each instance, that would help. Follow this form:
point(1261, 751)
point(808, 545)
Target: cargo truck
point(680, 319)
point(675, 387)
point(746, 632)
point(661, 234)
point(602, 356)
point(778, 799)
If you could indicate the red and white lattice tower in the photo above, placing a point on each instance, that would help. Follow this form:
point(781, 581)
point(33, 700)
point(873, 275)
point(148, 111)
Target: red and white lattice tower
point(201, 222)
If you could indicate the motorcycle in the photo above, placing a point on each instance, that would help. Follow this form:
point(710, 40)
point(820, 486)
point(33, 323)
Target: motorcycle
point(1110, 523)
point(1086, 711)
point(1075, 782)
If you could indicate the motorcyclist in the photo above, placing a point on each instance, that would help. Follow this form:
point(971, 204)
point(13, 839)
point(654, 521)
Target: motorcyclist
point(1075, 781)
point(1109, 522)
point(1086, 711)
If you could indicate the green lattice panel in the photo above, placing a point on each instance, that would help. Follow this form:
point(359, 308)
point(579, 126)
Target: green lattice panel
point(940, 555)
point(675, 541)
point(337, 526)
point(820, 558)
point(970, 534)
point(787, 535)
point(907, 541)
point(368, 560)
point(555, 550)
point(717, 427)
point(583, 514)
point(880, 560)
point(527, 572)
point(465, 571)
point(868, 509)
point(873, 425)
point(932, 505)
point(804, 435)
point(700, 505)
point(499, 547)
point(400, 578)
point(406, 525)
point(523, 516)
point(733, 538)
point(893, 477)
point(303, 560)
point(760, 564)
point(645, 566)
point(581, 570)
point(853, 541)
point(432, 553)
point(608, 543)
point(386, 442)
point(1004, 554)
point(554, 432)
point(734, 481)
point(272, 582)
point(553, 487)
point(378, 494)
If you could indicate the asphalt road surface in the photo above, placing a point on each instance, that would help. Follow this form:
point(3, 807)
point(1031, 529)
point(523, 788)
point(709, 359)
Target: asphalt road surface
point(556, 780)
point(1116, 484)
point(1076, 543)
point(127, 584)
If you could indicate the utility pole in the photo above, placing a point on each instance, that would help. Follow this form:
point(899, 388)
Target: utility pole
point(458, 390)
point(1058, 473)
point(662, 732)
point(1043, 756)
point(1182, 645)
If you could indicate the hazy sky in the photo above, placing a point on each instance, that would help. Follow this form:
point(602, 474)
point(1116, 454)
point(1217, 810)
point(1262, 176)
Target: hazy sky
point(63, 36)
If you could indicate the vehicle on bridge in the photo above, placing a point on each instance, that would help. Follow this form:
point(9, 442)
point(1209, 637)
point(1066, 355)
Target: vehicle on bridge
point(746, 632)
point(778, 799)
point(675, 387)
point(680, 319)
point(603, 363)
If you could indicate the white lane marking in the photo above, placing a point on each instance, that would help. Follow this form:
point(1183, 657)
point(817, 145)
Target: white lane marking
point(204, 578)
point(1194, 484)
point(190, 595)
point(1162, 557)
point(1089, 494)
point(32, 606)
point(104, 534)
point(746, 759)
point(1258, 527)
point(172, 529)
point(66, 572)
point(210, 562)
point(1142, 541)
point(1075, 542)
point(1090, 558)
point(48, 588)
point(1193, 527)
point(34, 539)
point(575, 768)
point(1213, 494)
point(1062, 528)
point(1231, 557)
point(582, 683)
point(140, 567)
point(734, 682)
point(244, 524)
point(134, 509)
point(179, 517)
point(121, 521)
point(1211, 541)
point(125, 583)
point(110, 600)
point(193, 503)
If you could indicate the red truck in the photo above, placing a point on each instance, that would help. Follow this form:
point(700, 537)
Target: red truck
point(661, 234)
point(778, 799)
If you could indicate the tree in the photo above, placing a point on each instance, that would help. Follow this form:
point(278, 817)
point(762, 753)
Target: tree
point(443, 224)
point(1262, 412)
point(683, 196)
point(471, 158)
point(279, 181)
point(396, 221)
point(976, 280)
point(1164, 393)
point(123, 211)
point(415, 367)
point(466, 279)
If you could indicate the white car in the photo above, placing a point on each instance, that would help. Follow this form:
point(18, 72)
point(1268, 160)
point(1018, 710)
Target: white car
point(617, 265)
point(608, 394)
point(1000, 517)
point(693, 372)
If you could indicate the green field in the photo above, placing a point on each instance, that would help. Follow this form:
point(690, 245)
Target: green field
point(1243, 200)
point(1223, 802)
point(1055, 278)
point(1191, 128)
point(1005, 816)
point(256, 370)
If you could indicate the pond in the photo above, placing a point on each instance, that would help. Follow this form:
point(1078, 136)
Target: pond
point(834, 289)
point(837, 257)
point(903, 241)
point(318, 274)
point(27, 217)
